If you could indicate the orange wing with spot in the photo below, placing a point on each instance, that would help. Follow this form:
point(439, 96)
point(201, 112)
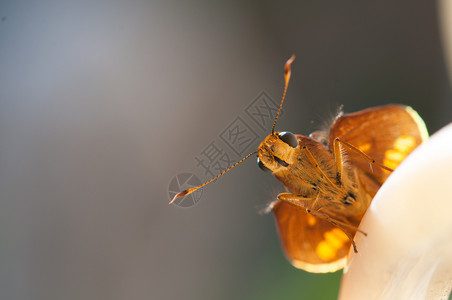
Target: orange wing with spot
point(386, 133)
point(310, 243)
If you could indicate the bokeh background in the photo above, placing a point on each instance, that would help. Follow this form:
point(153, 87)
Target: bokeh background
point(102, 103)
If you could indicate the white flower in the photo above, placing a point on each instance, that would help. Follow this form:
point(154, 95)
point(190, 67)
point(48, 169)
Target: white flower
point(408, 251)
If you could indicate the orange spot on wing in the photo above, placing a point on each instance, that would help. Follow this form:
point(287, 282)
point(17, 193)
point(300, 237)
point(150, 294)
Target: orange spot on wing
point(311, 220)
point(405, 143)
point(401, 148)
point(325, 251)
point(395, 155)
point(335, 239)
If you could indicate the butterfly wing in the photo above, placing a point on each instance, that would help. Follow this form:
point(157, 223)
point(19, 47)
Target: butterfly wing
point(386, 133)
point(310, 243)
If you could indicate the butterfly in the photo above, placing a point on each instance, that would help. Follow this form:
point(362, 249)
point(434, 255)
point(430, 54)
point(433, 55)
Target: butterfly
point(331, 177)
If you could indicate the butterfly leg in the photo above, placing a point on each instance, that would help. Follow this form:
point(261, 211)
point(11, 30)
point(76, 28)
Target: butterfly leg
point(338, 156)
point(297, 200)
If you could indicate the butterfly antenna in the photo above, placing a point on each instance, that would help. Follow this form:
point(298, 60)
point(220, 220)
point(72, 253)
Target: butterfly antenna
point(191, 190)
point(287, 73)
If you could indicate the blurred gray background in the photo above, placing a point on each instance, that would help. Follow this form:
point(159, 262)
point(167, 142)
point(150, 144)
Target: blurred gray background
point(102, 103)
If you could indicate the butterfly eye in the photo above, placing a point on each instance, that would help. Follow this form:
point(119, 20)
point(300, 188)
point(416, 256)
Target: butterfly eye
point(262, 166)
point(289, 138)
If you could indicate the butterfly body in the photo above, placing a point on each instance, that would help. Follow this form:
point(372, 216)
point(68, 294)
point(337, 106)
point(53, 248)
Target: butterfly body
point(302, 177)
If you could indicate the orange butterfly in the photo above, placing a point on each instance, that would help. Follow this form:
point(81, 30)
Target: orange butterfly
point(332, 177)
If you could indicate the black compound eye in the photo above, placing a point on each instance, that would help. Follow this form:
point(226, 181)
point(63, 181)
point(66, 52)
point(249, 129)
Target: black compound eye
point(262, 166)
point(289, 138)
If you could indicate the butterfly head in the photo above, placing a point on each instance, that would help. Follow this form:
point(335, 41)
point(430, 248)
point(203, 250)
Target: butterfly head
point(276, 150)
